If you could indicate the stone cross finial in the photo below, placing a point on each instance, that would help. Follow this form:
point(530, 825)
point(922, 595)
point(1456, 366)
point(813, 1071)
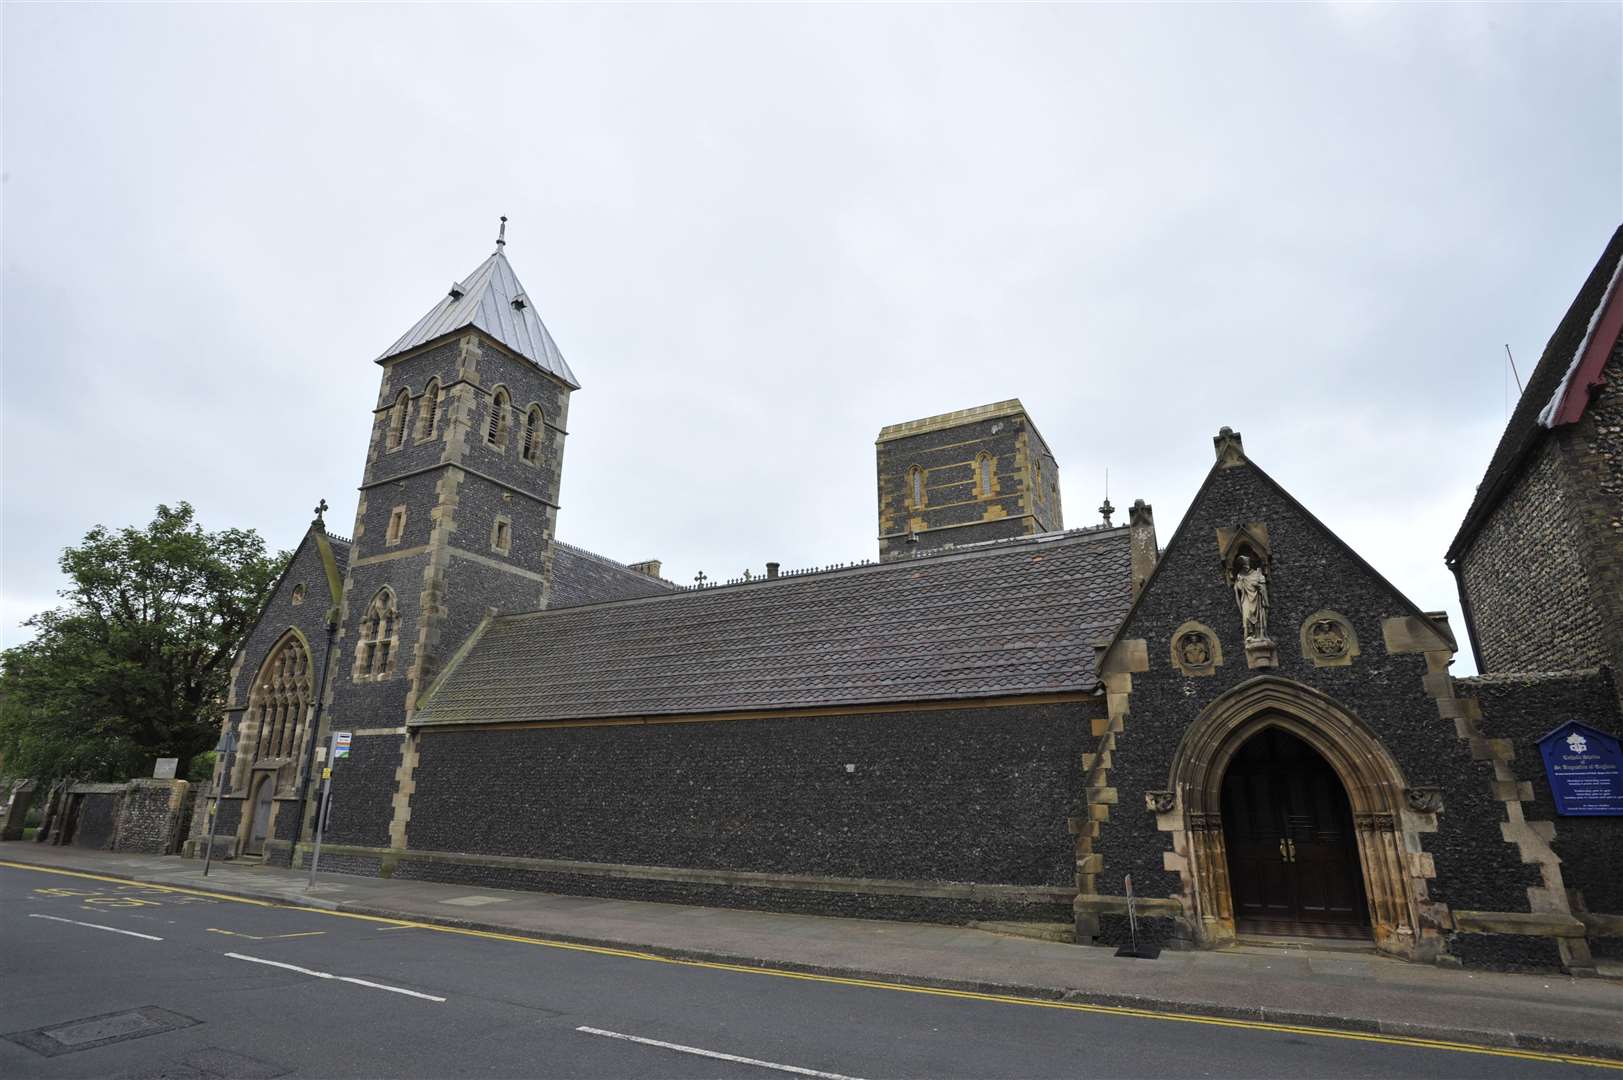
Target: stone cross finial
point(699, 579)
point(321, 508)
point(501, 237)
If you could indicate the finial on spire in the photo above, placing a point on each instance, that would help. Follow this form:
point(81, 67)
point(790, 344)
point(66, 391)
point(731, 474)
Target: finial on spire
point(501, 237)
point(1105, 509)
point(321, 508)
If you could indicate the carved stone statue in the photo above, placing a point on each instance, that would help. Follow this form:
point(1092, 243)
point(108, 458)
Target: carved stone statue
point(1251, 593)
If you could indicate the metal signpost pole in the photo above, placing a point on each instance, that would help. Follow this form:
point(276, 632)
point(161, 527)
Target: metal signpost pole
point(228, 742)
point(337, 748)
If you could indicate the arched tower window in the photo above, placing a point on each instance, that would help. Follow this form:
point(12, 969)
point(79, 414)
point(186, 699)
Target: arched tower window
point(983, 475)
point(496, 425)
point(397, 419)
point(280, 699)
point(531, 449)
point(915, 488)
point(428, 414)
point(379, 637)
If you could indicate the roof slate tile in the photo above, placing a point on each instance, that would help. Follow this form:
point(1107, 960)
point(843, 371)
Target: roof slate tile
point(1016, 617)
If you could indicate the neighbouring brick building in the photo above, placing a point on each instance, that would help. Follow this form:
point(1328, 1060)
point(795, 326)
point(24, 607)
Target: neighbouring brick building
point(998, 719)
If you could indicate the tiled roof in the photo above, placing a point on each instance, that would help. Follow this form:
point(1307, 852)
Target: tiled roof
point(582, 577)
point(1015, 617)
point(485, 299)
point(1524, 431)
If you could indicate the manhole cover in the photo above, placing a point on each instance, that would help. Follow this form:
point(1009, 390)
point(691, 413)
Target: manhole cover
point(92, 1031)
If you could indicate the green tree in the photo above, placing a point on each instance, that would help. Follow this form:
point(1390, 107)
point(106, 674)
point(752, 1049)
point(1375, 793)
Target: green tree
point(134, 665)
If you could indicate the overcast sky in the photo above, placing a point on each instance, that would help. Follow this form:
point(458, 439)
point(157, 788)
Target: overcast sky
point(761, 233)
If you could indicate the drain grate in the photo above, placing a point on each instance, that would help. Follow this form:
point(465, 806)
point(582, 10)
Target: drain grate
point(94, 1031)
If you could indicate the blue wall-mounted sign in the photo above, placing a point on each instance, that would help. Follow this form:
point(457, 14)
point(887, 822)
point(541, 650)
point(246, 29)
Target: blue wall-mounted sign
point(1585, 768)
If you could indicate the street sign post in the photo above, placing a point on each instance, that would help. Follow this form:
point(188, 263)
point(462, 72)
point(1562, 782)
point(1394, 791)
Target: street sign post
point(228, 743)
point(338, 748)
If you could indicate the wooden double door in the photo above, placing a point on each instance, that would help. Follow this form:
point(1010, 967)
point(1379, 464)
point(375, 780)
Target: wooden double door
point(1292, 853)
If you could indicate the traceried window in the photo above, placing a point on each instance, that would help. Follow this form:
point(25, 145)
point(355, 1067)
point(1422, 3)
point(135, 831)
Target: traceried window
point(915, 488)
point(496, 423)
point(428, 413)
point(983, 476)
point(531, 449)
point(379, 638)
point(397, 419)
point(280, 698)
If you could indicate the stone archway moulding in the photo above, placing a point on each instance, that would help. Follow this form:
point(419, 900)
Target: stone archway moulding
point(1395, 869)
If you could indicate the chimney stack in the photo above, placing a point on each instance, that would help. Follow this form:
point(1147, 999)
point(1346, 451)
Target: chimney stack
point(771, 570)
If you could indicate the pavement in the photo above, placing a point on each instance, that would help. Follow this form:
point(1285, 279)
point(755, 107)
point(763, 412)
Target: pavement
point(1350, 992)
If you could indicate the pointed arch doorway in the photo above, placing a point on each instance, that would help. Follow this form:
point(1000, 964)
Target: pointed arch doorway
point(1392, 869)
point(1292, 852)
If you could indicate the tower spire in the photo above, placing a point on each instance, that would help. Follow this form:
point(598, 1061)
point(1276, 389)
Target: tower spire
point(501, 237)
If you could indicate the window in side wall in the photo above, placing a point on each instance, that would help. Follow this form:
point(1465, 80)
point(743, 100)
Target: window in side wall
point(428, 413)
point(397, 526)
point(397, 419)
point(378, 642)
point(915, 488)
point(496, 422)
point(984, 476)
point(501, 535)
point(530, 451)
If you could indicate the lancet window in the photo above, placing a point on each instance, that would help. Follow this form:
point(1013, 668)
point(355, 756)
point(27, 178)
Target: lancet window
point(531, 449)
point(915, 488)
point(379, 638)
point(428, 413)
point(397, 419)
point(983, 476)
point(496, 425)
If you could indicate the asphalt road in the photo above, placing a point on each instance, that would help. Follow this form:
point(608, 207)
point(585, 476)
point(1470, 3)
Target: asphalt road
point(239, 989)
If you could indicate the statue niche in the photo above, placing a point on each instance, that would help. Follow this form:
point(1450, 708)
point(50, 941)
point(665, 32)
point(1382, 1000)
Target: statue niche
point(1245, 562)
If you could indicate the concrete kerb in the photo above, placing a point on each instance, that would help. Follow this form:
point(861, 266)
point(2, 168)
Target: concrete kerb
point(1355, 1025)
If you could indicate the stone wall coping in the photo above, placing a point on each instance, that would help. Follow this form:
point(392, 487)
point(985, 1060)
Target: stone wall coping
point(97, 789)
point(749, 878)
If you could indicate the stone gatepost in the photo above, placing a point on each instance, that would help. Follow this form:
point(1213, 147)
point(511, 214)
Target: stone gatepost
point(22, 797)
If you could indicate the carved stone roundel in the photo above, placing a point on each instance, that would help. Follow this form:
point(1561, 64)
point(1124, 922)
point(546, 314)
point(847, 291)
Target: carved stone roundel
point(1328, 639)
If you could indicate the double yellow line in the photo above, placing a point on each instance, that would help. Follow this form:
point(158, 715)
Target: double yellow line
point(871, 984)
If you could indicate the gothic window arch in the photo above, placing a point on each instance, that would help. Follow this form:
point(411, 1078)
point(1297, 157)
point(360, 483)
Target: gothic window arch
point(985, 474)
point(915, 488)
point(379, 640)
point(280, 699)
point(428, 413)
point(530, 449)
point(496, 423)
point(397, 419)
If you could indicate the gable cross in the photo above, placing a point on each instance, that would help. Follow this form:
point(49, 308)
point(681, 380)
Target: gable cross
point(321, 508)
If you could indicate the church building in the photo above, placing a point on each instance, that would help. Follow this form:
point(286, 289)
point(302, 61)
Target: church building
point(997, 719)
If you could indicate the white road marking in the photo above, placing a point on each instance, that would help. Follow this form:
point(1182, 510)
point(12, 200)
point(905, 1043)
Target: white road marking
point(95, 926)
point(679, 1048)
point(339, 978)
